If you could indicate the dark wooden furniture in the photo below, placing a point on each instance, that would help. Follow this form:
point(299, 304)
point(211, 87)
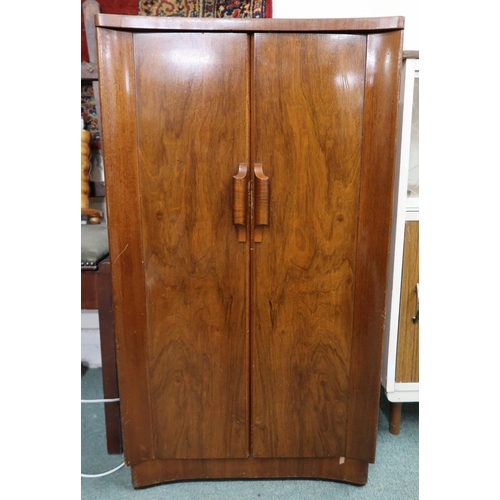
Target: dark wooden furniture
point(249, 179)
point(96, 294)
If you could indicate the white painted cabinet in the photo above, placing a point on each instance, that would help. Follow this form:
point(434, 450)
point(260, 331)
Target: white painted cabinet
point(400, 362)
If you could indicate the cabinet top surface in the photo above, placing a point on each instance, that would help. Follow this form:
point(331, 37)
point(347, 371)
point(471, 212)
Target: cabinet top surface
point(366, 24)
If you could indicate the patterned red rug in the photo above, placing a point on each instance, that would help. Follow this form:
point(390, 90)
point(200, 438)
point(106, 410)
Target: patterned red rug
point(178, 8)
point(206, 8)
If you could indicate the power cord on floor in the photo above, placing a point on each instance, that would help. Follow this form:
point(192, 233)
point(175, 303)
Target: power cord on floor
point(104, 473)
point(100, 400)
point(122, 464)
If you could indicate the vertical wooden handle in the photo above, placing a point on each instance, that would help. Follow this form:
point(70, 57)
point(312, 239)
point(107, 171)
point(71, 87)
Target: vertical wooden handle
point(240, 201)
point(261, 206)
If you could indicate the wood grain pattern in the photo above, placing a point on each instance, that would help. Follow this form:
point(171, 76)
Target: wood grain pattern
point(261, 202)
point(159, 471)
point(193, 133)
point(240, 201)
point(407, 363)
point(119, 146)
point(231, 366)
point(372, 24)
point(383, 70)
point(108, 358)
point(307, 132)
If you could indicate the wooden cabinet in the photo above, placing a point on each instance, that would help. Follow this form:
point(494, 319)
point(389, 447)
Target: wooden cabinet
point(408, 352)
point(249, 172)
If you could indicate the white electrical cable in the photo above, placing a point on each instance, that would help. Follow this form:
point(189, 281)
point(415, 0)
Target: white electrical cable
point(122, 464)
point(100, 400)
point(104, 473)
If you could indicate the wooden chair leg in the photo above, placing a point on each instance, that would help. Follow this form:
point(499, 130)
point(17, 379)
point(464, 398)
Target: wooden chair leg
point(108, 356)
point(394, 417)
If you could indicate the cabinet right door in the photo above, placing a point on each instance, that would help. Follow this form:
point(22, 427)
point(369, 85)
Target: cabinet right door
point(408, 341)
point(316, 100)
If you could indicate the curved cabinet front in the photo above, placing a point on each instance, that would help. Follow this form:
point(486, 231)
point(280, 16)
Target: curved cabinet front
point(249, 181)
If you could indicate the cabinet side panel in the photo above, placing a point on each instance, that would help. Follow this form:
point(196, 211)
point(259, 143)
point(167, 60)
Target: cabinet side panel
point(308, 102)
point(193, 115)
point(119, 142)
point(383, 68)
point(408, 342)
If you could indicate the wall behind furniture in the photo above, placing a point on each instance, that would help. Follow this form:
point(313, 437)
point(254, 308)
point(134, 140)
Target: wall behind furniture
point(90, 351)
point(356, 8)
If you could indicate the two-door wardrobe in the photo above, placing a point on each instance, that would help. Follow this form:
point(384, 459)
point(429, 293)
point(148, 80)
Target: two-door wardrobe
point(249, 171)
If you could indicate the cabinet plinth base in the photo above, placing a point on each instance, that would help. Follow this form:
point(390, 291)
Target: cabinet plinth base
point(163, 471)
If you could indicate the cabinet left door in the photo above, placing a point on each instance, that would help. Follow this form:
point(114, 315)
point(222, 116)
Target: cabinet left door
point(175, 125)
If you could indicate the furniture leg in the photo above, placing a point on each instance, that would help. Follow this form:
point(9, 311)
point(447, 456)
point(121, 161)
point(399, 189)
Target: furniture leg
point(395, 417)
